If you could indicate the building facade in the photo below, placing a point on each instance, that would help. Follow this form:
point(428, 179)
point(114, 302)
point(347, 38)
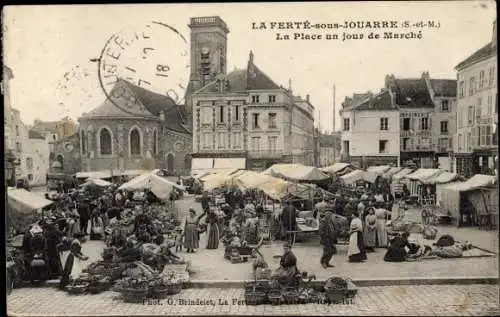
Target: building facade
point(328, 149)
point(426, 119)
point(67, 152)
point(370, 130)
point(242, 119)
point(149, 134)
point(476, 143)
point(443, 93)
point(245, 120)
point(8, 75)
point(35, 161)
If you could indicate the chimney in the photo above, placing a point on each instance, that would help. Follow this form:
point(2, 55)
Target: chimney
point(494, 40)
point(162, 116)
point(370, 102)
point(290, 85)
point(250, 58)
point(307, 97)
point(387, 81)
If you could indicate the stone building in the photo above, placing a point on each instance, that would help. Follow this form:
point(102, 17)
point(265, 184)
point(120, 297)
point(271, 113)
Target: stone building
point(245, 120)
point(241, 119)
point(427, 118)
point(476, 143)
point(370, 129)
point(135, 129)
point(67, 153)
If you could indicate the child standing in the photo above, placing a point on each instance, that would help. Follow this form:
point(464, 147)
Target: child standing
point(179, 240)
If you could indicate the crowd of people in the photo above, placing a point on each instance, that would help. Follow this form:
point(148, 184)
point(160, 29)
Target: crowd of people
point(359, 218)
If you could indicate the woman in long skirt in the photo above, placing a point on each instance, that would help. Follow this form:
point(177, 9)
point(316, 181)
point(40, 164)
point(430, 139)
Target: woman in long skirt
point(381, 215)
point(356, 250)
point(73, 266)
point(191, 241)
point(213, 231)
point(370, 230)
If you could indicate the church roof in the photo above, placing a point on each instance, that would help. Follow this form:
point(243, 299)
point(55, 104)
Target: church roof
point(243, 80)
point(147, 105)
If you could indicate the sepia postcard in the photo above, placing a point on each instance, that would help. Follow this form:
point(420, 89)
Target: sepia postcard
point(301, 158)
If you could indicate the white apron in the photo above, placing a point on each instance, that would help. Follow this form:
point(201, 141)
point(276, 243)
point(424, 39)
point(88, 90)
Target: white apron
point(77, 268)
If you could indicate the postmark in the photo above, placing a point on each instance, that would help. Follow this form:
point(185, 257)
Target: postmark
point(154, 57)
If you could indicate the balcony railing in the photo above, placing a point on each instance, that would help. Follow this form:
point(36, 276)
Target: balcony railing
point(265, 154)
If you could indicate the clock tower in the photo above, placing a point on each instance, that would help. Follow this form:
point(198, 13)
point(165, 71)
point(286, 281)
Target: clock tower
point(208, 52)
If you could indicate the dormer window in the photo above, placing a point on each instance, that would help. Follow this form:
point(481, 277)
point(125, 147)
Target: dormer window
point(255, 99)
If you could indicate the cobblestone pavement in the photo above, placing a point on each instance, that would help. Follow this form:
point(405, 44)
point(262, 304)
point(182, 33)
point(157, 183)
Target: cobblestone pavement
point(211, 265)
point(458, 300)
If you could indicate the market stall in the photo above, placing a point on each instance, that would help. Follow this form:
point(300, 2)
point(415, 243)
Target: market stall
point(472, 198)
point(24, 208)
point(359, 175)
point(159, 186)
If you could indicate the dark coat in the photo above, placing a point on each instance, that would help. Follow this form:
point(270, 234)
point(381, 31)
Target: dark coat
point(288, 260)
point(289, 218)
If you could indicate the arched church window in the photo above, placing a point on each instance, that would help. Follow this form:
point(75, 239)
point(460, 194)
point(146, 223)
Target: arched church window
point(135, 142)
point(155, 142)
point(105, 142)
point(170, 162)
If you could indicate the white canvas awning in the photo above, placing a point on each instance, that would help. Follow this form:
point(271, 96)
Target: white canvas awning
point(443, 178)
point(216, 165)
point(476, 181)
point(296, 172)
point(94, 175)
point(392, 171)
point(337, 167)
point(423, 174)
point(402, 173)
point(96, 182)
point(160, 186)
point(378, 169)
point(23, 200)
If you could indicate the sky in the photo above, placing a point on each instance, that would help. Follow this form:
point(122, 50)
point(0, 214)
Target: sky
point(49, 48)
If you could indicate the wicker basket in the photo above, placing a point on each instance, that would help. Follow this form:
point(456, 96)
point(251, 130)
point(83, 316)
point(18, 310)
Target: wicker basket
point(77, 289)
point(275, 297)
point(173, 289)
point(159, 292)
point(336, 296)
point(98, 288)
point(255, 298)
point(291, 296)
point(134, 295)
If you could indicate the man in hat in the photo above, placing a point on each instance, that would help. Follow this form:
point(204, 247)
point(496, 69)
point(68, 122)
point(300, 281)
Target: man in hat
point(288, 265)
point(205, 202)
point(328, 238)
point(84, 213)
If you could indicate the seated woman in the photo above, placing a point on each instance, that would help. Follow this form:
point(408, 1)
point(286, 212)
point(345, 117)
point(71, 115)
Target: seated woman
point(397, 248)
point(287, 271)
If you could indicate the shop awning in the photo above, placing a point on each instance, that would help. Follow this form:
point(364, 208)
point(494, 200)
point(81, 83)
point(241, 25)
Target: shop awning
point(475, 182)
point(357, 175)
point(21, 199)
point(378, 169)
point(423, 174)
point(402, 173)
point(296, 172)
point(94, 175)
point(391, 172)
point(443, 178)
point(337, 167)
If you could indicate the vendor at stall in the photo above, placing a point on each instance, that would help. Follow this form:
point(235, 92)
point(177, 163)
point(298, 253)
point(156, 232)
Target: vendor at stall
point(397, 248)
point(73, 266)
point(288, 265)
